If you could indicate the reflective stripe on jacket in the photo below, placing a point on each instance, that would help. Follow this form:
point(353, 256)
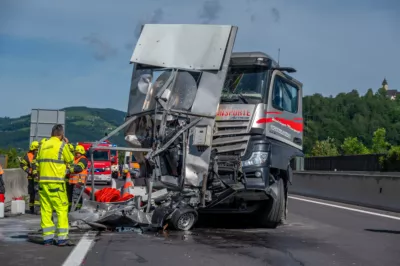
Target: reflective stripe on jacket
point(53, 157)
point(79, 171)
point(35, 164)
point(27, 163)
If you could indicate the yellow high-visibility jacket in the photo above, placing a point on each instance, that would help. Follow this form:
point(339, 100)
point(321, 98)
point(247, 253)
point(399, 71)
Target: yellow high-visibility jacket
point(53, 157)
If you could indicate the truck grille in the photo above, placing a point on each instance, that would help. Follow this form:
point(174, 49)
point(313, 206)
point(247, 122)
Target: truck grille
point(231, 137)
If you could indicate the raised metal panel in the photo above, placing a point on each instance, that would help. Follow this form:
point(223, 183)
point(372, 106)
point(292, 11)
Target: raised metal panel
point(48, 116)
point(199, 47)
point(44, 129)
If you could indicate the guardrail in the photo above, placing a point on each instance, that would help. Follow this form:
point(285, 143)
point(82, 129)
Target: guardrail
point(375, 190)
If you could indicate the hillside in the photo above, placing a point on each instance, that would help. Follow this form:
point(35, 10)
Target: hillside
point(82, 124)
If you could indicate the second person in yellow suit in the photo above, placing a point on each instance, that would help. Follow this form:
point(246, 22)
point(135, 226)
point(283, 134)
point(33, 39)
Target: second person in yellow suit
point(53, 158)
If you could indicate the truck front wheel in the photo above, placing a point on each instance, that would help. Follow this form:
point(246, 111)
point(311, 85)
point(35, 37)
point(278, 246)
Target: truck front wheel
point(270, 215)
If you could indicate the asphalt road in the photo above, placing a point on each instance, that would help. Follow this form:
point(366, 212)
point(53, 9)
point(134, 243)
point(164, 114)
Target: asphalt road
point(315, 235)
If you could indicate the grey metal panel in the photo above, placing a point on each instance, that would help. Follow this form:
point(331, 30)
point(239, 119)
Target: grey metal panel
point(34, 115)
point(61, 118)
point(199, 47)
point(47, 116)
point(44, 129)
point(207, 102)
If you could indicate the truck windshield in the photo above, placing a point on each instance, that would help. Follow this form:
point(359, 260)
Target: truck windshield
point(244, 84)
point(99, 155)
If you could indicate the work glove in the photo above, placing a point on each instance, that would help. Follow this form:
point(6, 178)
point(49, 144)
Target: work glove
point(71, 170)
point(34, 174)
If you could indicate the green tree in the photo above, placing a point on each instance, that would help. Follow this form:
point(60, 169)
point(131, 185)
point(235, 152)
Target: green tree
point(325, 148)
point(352, 146)
point(379, 143)
point(392, 160)
point(12, 157)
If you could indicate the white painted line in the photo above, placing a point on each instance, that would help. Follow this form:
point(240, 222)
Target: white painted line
point(346, 208)
point(78, 254)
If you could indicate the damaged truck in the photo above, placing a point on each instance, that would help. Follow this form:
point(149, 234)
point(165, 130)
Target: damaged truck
point(213, 130)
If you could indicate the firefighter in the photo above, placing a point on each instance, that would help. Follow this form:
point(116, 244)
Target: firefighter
point(69, 188)
point(29, 166)
point(77, 176)
point(53, 158)
point(36, 188)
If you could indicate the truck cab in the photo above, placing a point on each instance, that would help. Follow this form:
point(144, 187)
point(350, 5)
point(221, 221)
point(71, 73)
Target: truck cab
point(259, 125)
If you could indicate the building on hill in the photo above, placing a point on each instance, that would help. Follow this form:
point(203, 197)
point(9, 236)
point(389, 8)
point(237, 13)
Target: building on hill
point(390, 93)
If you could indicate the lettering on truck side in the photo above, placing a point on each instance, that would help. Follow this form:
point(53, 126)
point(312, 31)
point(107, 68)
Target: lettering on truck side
point(234, 113)
point(276, 130)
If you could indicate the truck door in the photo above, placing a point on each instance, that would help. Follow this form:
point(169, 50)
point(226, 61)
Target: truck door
point(284, 110)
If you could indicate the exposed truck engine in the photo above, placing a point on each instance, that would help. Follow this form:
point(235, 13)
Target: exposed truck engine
point(214, 129)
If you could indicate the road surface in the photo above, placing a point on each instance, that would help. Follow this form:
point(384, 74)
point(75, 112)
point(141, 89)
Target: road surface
point(316, 234)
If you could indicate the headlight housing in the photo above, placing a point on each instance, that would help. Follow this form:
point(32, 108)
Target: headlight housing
point(257, 158)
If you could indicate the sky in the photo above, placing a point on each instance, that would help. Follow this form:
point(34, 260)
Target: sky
point(55, 54)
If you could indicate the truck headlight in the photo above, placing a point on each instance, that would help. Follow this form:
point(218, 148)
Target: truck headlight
point(258, 157)
point(107, 169)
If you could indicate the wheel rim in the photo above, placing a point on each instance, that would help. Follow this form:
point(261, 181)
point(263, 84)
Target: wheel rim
point(186, 221)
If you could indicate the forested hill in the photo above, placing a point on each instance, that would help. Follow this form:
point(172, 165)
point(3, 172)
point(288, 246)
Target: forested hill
point(82, 124)
point(346, 115)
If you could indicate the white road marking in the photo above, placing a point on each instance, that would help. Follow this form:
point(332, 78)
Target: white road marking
point(78, 254)
point(346, 208)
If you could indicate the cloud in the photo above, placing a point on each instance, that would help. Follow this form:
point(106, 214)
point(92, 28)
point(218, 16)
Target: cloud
point(102, 49)
point(276, 15)
point(156, 17)
point(210, 11)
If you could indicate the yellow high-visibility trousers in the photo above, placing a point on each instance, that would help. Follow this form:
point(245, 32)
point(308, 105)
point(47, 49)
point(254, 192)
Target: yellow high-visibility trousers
point(53, 196)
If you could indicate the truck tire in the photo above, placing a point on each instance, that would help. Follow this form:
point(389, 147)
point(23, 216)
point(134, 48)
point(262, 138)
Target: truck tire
point(184, 219)
point(271, 213)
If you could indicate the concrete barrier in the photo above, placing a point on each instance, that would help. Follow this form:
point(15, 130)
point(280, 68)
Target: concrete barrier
point(381, 191)
point(16, 183)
